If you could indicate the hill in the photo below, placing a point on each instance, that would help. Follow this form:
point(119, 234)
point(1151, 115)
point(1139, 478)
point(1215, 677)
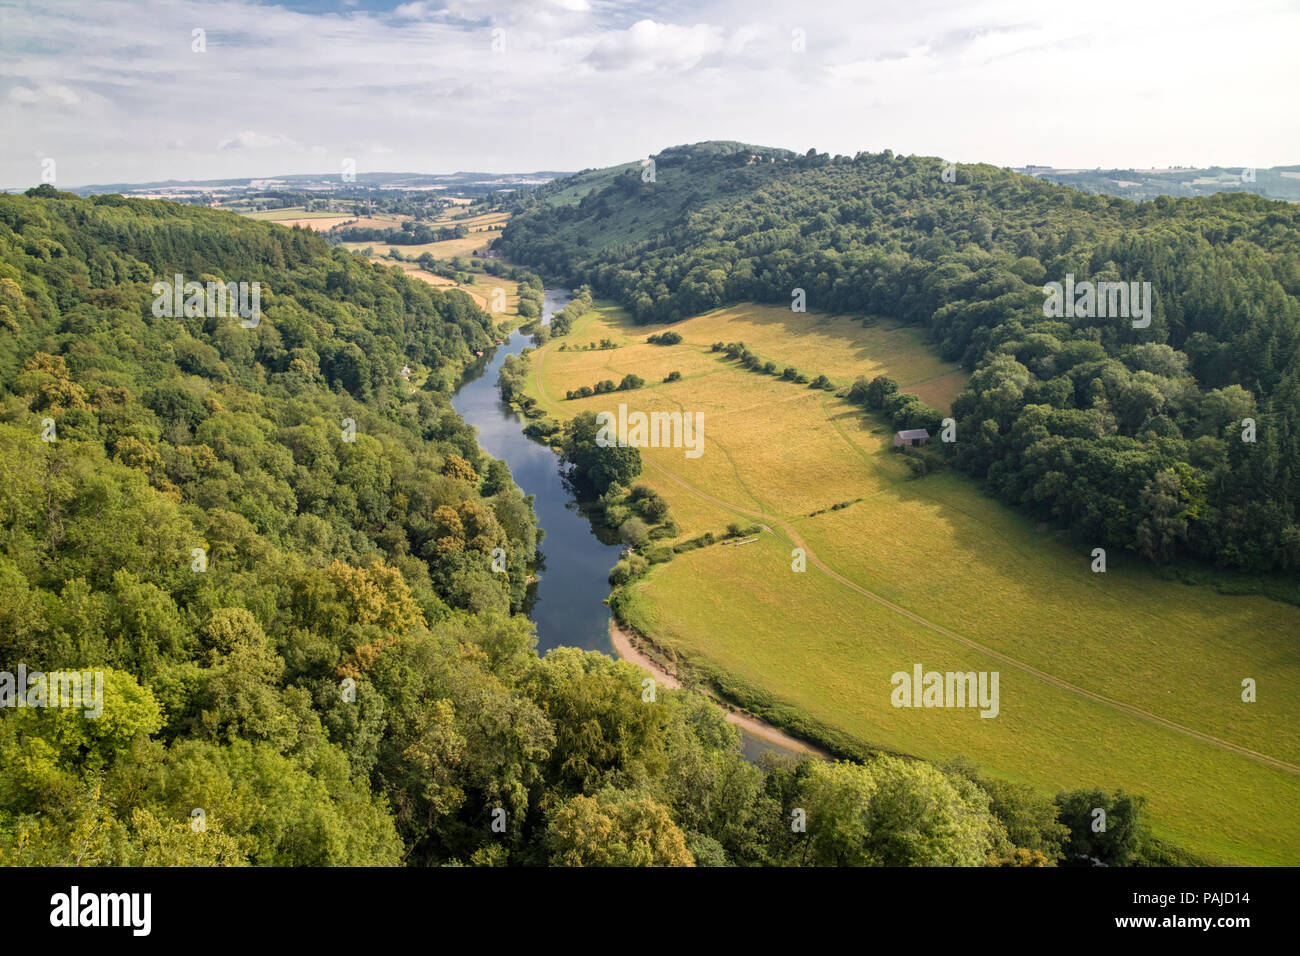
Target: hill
point(1171, 434)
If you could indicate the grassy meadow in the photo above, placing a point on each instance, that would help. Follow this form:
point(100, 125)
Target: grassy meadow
point(1119, 679)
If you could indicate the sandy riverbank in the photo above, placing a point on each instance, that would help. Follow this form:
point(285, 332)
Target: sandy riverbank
point(626, 647)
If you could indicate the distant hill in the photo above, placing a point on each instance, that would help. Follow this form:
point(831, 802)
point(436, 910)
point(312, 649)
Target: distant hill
point(323, 184)
point(568, 190)
point(1277, 182)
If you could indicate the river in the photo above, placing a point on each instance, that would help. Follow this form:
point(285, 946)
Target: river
point(568, 602)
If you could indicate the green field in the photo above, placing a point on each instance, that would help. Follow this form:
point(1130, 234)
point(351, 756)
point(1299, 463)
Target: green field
point(291, 212)
point(1120, 679)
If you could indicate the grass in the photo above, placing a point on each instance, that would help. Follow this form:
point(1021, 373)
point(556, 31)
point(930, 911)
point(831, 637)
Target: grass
point(292, 212)
point(994, 587)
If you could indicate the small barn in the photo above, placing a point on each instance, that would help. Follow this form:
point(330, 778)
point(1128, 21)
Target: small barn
point(911, 436)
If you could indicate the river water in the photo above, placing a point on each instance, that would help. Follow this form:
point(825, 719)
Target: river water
point(568, 602)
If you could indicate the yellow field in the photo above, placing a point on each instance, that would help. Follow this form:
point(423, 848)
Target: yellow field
point(481, 288)
point(385, 221)
point(836, 346)
point(1113, 680)
point(447, 249)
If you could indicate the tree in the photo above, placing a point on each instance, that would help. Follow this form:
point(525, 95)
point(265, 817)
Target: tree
point(596, 466)
point(878, 390)
point(1105, 827)
point(1164, 521)
point(615, 830)
point(892, 812)
point(457, 467)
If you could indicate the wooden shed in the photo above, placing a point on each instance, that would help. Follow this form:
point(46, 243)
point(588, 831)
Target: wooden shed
point(911, 436)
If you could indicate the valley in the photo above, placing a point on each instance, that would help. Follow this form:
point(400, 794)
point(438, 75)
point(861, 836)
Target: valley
point(931, 569)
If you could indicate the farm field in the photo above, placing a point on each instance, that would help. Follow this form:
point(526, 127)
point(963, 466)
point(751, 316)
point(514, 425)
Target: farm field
point(480, 288)
point(837, 346)
point(1115, 680)
point(290, 212)
point(446, 249)
point(483, 228)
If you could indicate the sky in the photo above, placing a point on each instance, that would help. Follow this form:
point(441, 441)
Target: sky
point(104, 91)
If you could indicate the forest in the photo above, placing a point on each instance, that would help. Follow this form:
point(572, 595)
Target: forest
point(1178, 439)
point(287, 563)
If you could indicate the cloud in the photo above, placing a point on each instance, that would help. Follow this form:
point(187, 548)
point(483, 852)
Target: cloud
point(55, 93)
point(648, 46)
point(251, 139)
point(588, 82)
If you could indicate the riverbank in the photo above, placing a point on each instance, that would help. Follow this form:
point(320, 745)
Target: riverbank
point(630, 646)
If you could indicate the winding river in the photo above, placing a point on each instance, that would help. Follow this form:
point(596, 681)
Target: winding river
point(568, 602)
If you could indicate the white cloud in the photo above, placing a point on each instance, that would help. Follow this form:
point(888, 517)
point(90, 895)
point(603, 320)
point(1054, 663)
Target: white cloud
point(589, 82)
point(647, 45)
point(251, 139)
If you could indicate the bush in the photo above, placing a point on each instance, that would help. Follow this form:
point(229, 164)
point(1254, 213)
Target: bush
point(628, 568)
point(654, 509)
point(635, 532)
point(673, 377)
point(665, 338)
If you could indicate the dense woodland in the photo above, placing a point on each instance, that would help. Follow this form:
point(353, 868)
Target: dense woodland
point(1132, 438)
point(309, 658)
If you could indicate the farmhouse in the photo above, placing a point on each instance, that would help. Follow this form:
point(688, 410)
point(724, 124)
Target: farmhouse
point(911, 436)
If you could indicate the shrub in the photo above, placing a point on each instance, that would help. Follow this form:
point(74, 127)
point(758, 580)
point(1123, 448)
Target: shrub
point(635, 532)
point(654, 509)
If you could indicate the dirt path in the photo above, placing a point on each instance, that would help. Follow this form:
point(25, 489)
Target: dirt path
point(770, 522)
point(626, 649)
